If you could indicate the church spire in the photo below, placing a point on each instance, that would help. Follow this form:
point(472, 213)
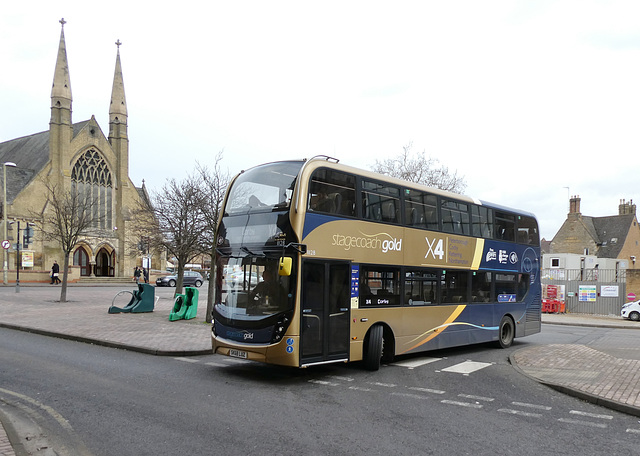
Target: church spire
point(118, 107)
point(61, 91)
point(120, 145)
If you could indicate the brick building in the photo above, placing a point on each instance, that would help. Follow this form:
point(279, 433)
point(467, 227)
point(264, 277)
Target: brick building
point(614, 237)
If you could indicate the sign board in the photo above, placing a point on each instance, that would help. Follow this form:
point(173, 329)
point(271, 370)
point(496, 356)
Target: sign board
point(6, 244)
point(609, 291)
point(631, 296)
point(27, 259)
point(552, 291)
point(587, 293)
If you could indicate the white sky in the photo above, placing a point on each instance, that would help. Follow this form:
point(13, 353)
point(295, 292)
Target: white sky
point(522, 98)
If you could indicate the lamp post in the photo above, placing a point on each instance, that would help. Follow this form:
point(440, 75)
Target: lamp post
point(4, 216)
point(18, 260)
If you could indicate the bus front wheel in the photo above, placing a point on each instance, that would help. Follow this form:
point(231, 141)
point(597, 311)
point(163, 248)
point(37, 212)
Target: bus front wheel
point(373, 348)
point(506, 332)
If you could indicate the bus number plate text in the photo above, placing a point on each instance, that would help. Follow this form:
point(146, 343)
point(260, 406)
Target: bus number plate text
point(238, 353)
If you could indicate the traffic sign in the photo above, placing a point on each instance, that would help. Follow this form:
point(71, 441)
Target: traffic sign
point(630, 296)
point(6, 244)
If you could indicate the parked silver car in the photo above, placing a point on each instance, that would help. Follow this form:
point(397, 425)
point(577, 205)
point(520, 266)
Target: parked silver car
point(191, 278)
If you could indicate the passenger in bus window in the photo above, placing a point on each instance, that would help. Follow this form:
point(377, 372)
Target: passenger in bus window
point(364, 287)
point(322, 203)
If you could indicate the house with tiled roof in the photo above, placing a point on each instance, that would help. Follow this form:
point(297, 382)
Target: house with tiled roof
point(613, 240)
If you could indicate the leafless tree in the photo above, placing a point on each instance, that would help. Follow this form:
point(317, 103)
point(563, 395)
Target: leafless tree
point(67, 217)
point(417, 168)
point(175, 221)
point(213, 185)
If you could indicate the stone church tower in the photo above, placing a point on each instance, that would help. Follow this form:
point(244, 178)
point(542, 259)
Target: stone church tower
point(77, 157)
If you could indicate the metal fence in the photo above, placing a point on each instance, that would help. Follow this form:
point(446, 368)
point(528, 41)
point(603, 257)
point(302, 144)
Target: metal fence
point(588, 291)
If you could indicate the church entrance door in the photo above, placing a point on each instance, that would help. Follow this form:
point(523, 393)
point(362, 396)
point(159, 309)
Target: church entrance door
point(104, 268)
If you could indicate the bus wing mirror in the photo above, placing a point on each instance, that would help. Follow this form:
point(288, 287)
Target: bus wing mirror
point(284, 268)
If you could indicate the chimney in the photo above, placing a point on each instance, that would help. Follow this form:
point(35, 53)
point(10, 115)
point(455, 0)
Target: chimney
point(574, 206)
point(626, 208)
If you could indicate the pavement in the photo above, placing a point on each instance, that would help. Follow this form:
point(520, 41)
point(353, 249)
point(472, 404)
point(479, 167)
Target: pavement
point(604, 370)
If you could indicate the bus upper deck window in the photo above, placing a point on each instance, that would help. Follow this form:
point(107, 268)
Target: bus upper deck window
point(332, 192)
point(505, 226)
point(528, 230)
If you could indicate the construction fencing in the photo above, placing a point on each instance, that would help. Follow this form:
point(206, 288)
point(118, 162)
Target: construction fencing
point(586, 291)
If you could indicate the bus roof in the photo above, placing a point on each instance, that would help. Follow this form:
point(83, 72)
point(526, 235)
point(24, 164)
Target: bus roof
point(320, 161)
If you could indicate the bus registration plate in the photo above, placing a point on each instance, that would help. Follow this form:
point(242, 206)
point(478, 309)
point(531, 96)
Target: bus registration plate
point(238, 353)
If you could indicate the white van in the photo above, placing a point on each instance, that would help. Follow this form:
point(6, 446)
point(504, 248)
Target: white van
point(631, 310)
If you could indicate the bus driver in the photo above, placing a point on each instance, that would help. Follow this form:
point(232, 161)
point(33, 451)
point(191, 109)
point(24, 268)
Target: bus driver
point(267, 292)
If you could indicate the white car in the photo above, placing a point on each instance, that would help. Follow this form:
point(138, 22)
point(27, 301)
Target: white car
point(631, 310)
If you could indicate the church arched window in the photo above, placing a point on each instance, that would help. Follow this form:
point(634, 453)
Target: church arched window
point(92, 179)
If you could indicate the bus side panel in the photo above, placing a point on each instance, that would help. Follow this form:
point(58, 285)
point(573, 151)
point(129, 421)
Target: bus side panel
point(356, 350)
point(436, 327)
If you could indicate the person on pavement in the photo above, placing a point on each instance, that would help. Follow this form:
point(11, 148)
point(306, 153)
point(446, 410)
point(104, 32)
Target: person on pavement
point(55, 273)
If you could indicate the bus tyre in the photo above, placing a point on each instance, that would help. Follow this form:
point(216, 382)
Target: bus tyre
point(506, 332)
point(373, 348)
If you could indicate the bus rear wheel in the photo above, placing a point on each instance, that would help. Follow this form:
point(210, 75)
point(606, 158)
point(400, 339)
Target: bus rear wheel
point(373, 348)
point(506, 332)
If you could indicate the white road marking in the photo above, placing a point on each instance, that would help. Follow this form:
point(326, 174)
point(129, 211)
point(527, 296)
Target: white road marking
point(216, 364)
point(413, 363)
point(412, 396)
point(466, 367)
point(337, 377)
point(533, 406)
point(462, 404)
point(426, 390)
point(591, 415)
point(633, 431)
point(323, 382)
point(521, 413)
point(583, 423)
point(386, 385)
point(360, 388)
point(477, 398)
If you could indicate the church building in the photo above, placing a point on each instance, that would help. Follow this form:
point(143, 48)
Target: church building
point(74, 156)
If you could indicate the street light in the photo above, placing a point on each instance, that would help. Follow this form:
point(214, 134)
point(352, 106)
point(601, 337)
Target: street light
point(4, 215)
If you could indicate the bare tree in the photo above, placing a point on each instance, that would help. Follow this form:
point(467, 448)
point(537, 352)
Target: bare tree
point(417, 168)
point(213, 185)
point(67, 217)
point(175, 221)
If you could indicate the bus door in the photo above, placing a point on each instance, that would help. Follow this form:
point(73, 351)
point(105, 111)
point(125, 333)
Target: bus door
point(325, 311)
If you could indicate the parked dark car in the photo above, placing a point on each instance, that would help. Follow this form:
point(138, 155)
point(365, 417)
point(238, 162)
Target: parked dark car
point(191, 278)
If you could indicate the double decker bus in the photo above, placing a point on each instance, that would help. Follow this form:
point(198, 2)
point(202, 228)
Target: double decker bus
point(318, 262)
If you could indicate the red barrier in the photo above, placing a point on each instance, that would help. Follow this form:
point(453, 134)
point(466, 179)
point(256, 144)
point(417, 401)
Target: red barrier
point(553, 306)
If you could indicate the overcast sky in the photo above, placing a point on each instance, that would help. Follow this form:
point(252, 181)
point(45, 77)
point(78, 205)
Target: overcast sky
point(530, 101)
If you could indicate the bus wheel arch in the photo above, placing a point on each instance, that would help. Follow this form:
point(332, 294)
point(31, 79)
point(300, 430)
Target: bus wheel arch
point(506, 331)
point(379, 345)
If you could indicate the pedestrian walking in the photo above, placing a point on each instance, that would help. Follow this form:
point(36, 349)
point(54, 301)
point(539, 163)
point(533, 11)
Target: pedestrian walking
point(55, 273)
point(146, 275)
point(136, 274)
